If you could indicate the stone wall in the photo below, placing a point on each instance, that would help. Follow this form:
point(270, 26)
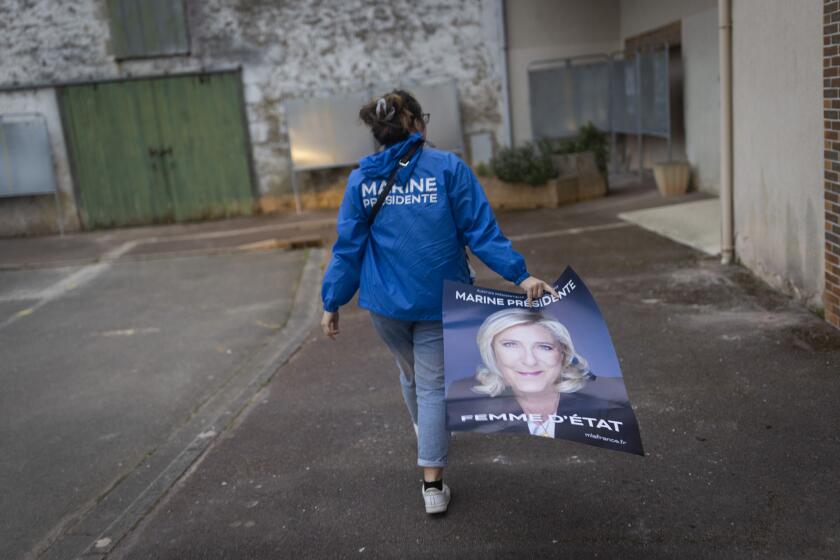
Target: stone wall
point(287, 50)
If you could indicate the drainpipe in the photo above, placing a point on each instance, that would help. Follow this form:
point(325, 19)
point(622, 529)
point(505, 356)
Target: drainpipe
point(507, 139)
point(726, 198)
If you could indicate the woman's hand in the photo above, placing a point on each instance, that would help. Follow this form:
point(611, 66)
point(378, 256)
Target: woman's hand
point(534, 288)
point(329, 323)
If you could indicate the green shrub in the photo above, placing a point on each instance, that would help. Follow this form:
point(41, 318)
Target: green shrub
point(589, 139)
point(526, 164)
point(532, 164)
point(565, 146)
point(482, 170)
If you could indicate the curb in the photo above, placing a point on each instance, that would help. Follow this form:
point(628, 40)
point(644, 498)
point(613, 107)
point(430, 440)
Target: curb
point(97, 531)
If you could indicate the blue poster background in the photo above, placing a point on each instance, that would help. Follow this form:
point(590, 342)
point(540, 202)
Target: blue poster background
point(605, 398)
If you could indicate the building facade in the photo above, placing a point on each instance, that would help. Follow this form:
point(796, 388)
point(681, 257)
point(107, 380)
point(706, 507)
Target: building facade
point(82, 66)
point(781, 231)
point(275, 51)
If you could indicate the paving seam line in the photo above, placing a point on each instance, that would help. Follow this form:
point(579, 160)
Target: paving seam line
point(304, 224)
point(106, 257)
point(74, 281)
point(214, 251)
point(303, 317)
point(570, 231)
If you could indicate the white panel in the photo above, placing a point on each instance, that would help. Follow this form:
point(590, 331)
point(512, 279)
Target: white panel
point(327, 132)
point(26, 166)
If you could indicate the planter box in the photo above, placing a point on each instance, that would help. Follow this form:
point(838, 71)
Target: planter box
point(568, 190)
point(591, 183)
point(672, 177)
point(566, 164)
point(580, 168)
point(519, 196)
point(578, 179)
point(325, 200)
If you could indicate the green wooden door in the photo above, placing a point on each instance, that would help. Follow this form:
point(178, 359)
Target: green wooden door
point(109, 128)
point(158, 150)
point(201, 122)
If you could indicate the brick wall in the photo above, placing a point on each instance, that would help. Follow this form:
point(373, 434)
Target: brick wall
point(831, 115)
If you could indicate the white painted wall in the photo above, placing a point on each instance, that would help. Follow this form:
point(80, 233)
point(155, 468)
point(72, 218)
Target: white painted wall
point(640, 16)
point(701, 98)
point(541, 29)
point(547, 29)
point(778, 163)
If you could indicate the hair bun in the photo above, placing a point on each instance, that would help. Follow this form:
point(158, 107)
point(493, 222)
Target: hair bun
point(383, 112)
point(392, 117)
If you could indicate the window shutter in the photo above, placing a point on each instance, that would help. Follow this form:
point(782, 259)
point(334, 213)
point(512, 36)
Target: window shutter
point(148, 28)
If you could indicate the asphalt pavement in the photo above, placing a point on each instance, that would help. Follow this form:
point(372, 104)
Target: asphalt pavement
point(735, 388)
point(117, 371)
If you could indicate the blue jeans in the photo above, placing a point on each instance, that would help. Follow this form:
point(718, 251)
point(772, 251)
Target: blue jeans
point(418, 348)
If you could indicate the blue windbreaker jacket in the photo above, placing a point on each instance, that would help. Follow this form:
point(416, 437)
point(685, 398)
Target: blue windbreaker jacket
point(435, 208)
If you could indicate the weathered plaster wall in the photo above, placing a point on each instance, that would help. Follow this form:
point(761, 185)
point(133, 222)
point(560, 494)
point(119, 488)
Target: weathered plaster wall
point(301, 49)
point(37, 214)
point(778, 163)
point(43, 40)
point(701, 98)
point(286, 49)
point(547, 29)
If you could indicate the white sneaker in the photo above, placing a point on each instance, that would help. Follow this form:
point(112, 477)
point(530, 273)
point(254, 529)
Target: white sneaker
point(436, 500)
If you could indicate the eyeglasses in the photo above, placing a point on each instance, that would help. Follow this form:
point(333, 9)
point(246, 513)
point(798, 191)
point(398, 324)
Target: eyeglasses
point(425, 117)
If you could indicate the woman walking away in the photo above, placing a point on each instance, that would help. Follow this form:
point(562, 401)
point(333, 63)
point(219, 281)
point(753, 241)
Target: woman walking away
point(407, 214)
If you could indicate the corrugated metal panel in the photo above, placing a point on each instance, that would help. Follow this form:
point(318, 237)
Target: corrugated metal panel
point(625, 94)
point(566, 97)
point(142, 28)
point(655, 91)
point(26, 166)
point(608, 93)
point(592, 85)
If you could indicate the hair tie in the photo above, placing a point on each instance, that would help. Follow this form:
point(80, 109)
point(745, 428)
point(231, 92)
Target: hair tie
point(382, 112)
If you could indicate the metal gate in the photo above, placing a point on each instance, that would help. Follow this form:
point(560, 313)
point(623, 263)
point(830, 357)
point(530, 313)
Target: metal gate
point(619, 93)
point(158, 150)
